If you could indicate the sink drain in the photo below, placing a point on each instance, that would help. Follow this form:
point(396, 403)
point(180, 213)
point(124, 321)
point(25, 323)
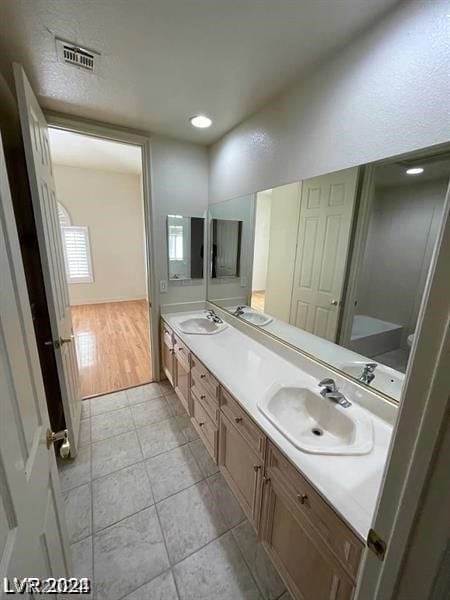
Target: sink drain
point(317, 431)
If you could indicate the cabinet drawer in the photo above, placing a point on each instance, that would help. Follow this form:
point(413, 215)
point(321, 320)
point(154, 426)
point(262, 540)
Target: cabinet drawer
point(204, 378)
point(209, 402)
point(166, 334)
point(339, 538)
point(243, 422)
point(181, 352)
point(205, 427)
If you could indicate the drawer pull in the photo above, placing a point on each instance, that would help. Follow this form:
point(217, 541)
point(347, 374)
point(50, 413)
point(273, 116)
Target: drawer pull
point(302, 498)
point(256, 468)
point(202, 376)
point(238, 419)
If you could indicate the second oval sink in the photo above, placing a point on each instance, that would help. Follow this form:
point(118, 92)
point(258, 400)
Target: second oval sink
point(200, 326)
point(315, 424)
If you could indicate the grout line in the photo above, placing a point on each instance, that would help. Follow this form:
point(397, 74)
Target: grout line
point(93, 585)
point(169, 570)
point(163, 537)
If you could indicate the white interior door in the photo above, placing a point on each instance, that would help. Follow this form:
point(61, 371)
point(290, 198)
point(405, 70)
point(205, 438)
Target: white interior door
point(42, 185)
point(33, 538)
point(326, 212)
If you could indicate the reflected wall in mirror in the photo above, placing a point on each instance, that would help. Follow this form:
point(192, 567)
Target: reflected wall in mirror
point(185, 247)
point(340, 264)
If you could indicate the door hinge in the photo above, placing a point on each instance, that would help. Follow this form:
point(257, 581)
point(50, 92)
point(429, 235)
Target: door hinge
point(376, 544)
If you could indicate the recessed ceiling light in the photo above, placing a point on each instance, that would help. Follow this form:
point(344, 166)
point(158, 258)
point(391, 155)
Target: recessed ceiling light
point(200, 121)
point(414, 171)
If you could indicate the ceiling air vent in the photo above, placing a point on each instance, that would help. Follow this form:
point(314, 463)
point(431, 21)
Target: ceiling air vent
point(74, 55)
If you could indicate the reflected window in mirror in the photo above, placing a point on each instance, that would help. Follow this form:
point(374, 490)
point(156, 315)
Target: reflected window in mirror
point(185, 247)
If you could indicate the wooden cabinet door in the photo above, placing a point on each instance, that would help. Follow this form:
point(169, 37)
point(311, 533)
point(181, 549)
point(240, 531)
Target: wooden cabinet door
point(241, 467)
point(302, 559)
point(181, 382)
point(167, 358)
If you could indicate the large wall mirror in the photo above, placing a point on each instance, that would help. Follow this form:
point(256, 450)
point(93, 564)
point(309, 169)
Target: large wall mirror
point(185, 247)
point(336, 265)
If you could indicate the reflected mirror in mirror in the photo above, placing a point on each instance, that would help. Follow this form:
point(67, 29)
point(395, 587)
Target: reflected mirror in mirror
point(339, 264)
point(185, 247)
point(231, 251)
point(226, 248)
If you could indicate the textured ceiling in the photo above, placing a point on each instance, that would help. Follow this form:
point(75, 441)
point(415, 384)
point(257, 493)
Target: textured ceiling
point(165, 60)
point(75, 150)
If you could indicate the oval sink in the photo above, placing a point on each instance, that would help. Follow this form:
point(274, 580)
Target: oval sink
point(200, 326)
point(315, 424)
point(255, 317)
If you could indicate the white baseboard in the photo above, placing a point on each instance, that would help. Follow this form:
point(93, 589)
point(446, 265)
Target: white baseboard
point(103, 300)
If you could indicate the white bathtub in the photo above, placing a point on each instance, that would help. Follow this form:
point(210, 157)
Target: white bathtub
point(371, 336)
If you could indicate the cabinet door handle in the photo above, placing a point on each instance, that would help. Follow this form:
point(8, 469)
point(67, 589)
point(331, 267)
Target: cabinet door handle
point(256, 468)
point(201, 423)
point(202, 397)
point(238, 419)
point(202, 376)
point(302, 498)
point(266, 479)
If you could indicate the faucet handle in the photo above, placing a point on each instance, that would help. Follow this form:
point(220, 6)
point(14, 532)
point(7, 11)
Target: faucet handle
point(371, 366)
point(327, 382)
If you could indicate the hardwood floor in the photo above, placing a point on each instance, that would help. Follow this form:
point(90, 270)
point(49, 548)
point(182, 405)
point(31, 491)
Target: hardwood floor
point(258, 300)
point(113, 346)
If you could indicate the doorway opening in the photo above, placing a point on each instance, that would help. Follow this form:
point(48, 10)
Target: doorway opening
point(99, 187)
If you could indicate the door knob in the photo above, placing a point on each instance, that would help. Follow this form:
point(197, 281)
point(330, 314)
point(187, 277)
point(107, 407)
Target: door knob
point(59, 343)
point(334, 302)
point(53, 437)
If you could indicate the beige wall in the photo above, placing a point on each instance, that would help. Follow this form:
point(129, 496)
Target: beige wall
point(262, 233)
point(386, 93)
point(179, 185)
point(282, 247)
point(110, 204)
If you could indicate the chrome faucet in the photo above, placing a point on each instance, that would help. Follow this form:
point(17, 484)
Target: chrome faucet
point(239, 311)
point(368, 374)
point(211, 315)
point(331, 392)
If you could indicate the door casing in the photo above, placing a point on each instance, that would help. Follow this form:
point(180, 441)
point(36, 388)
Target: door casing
point(127, 136)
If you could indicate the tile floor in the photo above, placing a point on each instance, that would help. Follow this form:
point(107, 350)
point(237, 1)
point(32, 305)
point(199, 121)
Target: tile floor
point(149, 515)
point(396, 359)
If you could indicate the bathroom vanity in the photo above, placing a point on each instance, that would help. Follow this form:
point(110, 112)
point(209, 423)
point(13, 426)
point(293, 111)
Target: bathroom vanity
point(312, 511)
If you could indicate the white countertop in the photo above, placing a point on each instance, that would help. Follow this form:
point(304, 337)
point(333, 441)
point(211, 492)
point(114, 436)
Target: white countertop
point(247, 369)
point(332, 353)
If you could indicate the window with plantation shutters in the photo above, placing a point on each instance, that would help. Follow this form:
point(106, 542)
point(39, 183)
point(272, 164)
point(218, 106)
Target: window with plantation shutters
point(77, 251)
point(77, 254)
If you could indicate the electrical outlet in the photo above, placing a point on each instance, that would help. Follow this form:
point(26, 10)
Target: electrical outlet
point(163, 286)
